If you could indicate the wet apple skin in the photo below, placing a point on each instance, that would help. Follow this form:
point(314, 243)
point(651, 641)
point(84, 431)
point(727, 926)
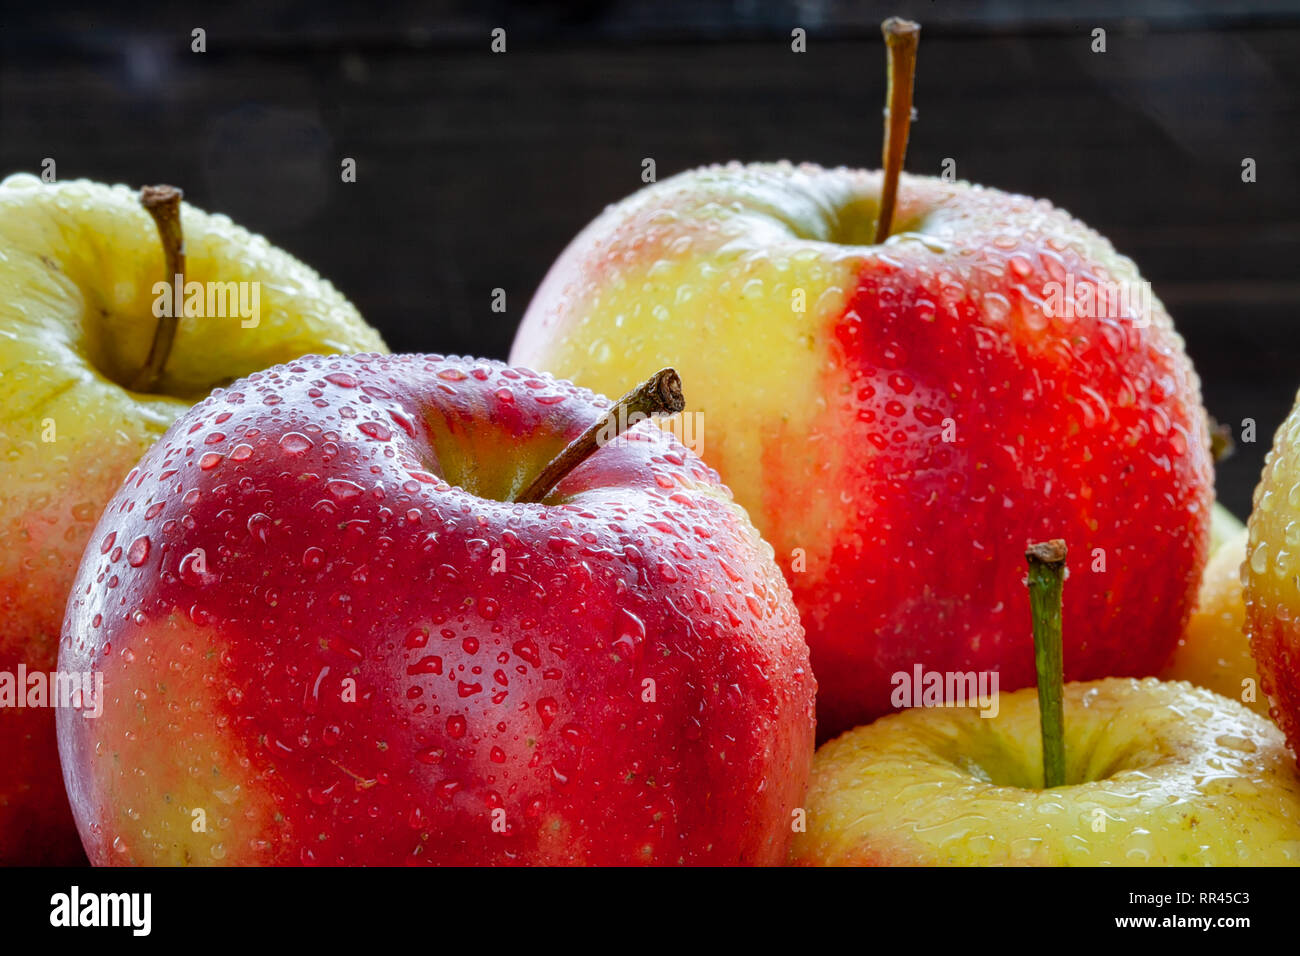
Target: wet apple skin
point(901, 420)
point(521, 691)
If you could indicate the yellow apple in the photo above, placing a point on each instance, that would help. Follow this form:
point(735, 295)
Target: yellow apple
point(1156, 774)
point(1214, 651)
point(1223, 526)
point(79, 262)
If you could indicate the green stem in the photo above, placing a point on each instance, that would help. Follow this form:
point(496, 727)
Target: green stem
point(1046, 577)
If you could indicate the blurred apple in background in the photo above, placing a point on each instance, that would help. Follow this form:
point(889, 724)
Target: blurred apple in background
point(351, 624)
point(78, 265)
point(1224, 526)
point(1271, 577)
point(1214, 651)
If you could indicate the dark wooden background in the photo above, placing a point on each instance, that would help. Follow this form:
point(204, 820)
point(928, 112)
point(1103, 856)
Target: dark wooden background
point(475, 169)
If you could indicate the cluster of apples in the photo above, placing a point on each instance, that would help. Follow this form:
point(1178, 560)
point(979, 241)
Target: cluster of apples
point(358, 608)
point(354, 607)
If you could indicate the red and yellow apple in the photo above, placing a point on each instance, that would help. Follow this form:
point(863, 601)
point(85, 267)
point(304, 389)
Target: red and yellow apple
point(1271, 577)
point(334, 627)
point(898, 417)
point(78, 266)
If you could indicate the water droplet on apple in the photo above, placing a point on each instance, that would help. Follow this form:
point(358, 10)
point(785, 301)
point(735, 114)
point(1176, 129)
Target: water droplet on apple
point(258, 525)
point(631, 634)
point(138, 553)
point(343, 489)
point(446, 790)
point(528, 651)
point(547, 709)
point(295, 443)
point(404, 423)
point(190, 568)
point(1237, 743)
point(430, 664)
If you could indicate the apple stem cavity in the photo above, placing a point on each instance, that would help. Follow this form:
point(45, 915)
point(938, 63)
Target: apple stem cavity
point(660, 394)
point(902, 37)
point(1046, 577)
point(163, 203)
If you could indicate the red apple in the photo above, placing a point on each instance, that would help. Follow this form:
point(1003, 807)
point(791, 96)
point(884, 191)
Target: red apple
point(336, 634)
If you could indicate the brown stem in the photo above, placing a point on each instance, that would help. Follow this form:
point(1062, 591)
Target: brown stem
point(1221, 444)
point(660, 394)
point(901, 40)
point(1046, 578)
point(164, 204)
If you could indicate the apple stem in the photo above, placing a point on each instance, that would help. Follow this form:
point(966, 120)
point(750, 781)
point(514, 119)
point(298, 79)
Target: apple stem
point(1221, 443)
point(1046, 576)
point(902, 37)
point(163, 203)
point(660, 394)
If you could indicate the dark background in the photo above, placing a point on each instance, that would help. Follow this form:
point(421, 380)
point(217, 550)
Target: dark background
point(475, 169)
